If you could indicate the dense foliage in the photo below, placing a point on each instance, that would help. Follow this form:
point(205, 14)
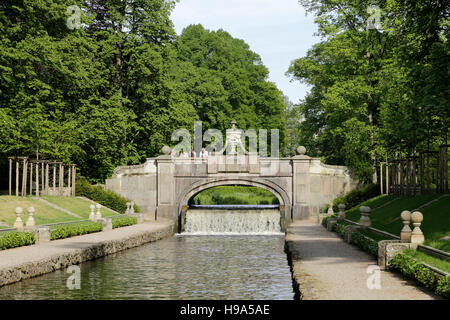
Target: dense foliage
point(356, 197)
point(365, 243)
point(416, 270)
point(113, 91)
point(74, 229)
point(378, 92)
point(123, 222)
point(16, 239)
point(106, 198)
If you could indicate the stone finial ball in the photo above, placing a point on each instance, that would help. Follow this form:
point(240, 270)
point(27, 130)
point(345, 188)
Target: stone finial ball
point(92, 206)
point(301, 150)
point(341, 206)
point(405, 215)
point(364, 209)
point(98, 206)
point(30, 210)
point(166, 150)
point(19, 210)
point(416, 217)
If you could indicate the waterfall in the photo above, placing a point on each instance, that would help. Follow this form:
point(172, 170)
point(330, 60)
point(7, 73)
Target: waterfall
point(256, 221)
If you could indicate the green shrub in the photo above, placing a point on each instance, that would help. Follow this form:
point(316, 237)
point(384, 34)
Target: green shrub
point(106, 198)
point(418, 271)
point(74, 229)
point(365, 243)
point(443, 287)
point(357, 196)
point(324, 221)
point(16, 239)
point(339, 228)
point(123, 222)
point(325, 208)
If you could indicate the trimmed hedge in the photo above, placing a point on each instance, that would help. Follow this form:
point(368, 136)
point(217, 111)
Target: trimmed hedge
point(416, 270)
point(106, 198)
point(357, 196)
point(16, 239)
point(74, 229)
point(123, 222)
point(365, 243)
point(339, 228)
point(324, 221)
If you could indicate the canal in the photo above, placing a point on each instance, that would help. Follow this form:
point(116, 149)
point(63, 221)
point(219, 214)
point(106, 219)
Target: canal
point(180, 267)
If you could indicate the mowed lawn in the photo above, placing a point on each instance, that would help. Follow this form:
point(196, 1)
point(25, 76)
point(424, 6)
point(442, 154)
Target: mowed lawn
point(43, 213)
point(78, 206)
point(435, 225)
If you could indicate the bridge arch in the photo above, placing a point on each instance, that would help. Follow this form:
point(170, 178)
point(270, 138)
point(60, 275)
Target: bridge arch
point(199, 186)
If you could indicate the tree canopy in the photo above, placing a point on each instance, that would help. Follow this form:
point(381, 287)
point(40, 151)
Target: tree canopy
point(377, 92)
point(112, 91)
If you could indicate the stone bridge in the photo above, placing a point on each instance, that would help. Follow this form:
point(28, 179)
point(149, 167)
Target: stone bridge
point(162, 186)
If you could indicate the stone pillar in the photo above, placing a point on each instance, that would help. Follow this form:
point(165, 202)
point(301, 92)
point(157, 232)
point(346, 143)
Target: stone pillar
point(107, 224)
point(365, 217)
point(42, 234)
point(341, 215)
point(301, 185)
point(30, 220)
point(98, 216)
point(132, 207)
point(417, 234)
point(18, 224)
point(405, 234)
point(92, 214)
point(166, 206)
point(127, 211)
point(10, 176)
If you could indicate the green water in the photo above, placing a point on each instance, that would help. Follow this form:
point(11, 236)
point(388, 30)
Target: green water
point(180, 267)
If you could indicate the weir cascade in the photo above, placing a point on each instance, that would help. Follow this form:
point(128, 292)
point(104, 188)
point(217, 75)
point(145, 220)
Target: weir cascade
point(233, 220)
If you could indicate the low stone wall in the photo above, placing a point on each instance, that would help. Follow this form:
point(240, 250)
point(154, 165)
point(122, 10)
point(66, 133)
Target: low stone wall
point(94, 251)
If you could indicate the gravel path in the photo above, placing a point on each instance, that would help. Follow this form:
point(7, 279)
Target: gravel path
point(325, 267)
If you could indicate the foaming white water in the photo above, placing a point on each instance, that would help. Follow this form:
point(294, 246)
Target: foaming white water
point(235, 222)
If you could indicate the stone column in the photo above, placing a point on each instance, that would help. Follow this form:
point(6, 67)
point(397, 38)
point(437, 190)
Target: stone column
point(365, 217)
point(30, 221)
point(301, 185)
point(341, 215)
point(405, 234)
point(18, 224)
point(98, 216)
point(92, 214)
point(165, 194)
point(10, 176)
point(417, 234)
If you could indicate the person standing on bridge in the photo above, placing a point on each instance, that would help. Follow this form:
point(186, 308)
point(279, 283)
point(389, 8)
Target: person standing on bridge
point(203, 154)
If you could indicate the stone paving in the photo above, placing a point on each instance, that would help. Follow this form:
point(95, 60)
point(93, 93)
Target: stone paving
point(325, 267)
point(26, 262)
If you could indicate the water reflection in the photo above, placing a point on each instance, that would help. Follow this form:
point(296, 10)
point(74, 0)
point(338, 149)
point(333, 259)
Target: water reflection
point(181, 267)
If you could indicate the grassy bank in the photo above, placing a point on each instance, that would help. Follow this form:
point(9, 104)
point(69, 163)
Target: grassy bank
point(386, 211)
point(235, 195)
